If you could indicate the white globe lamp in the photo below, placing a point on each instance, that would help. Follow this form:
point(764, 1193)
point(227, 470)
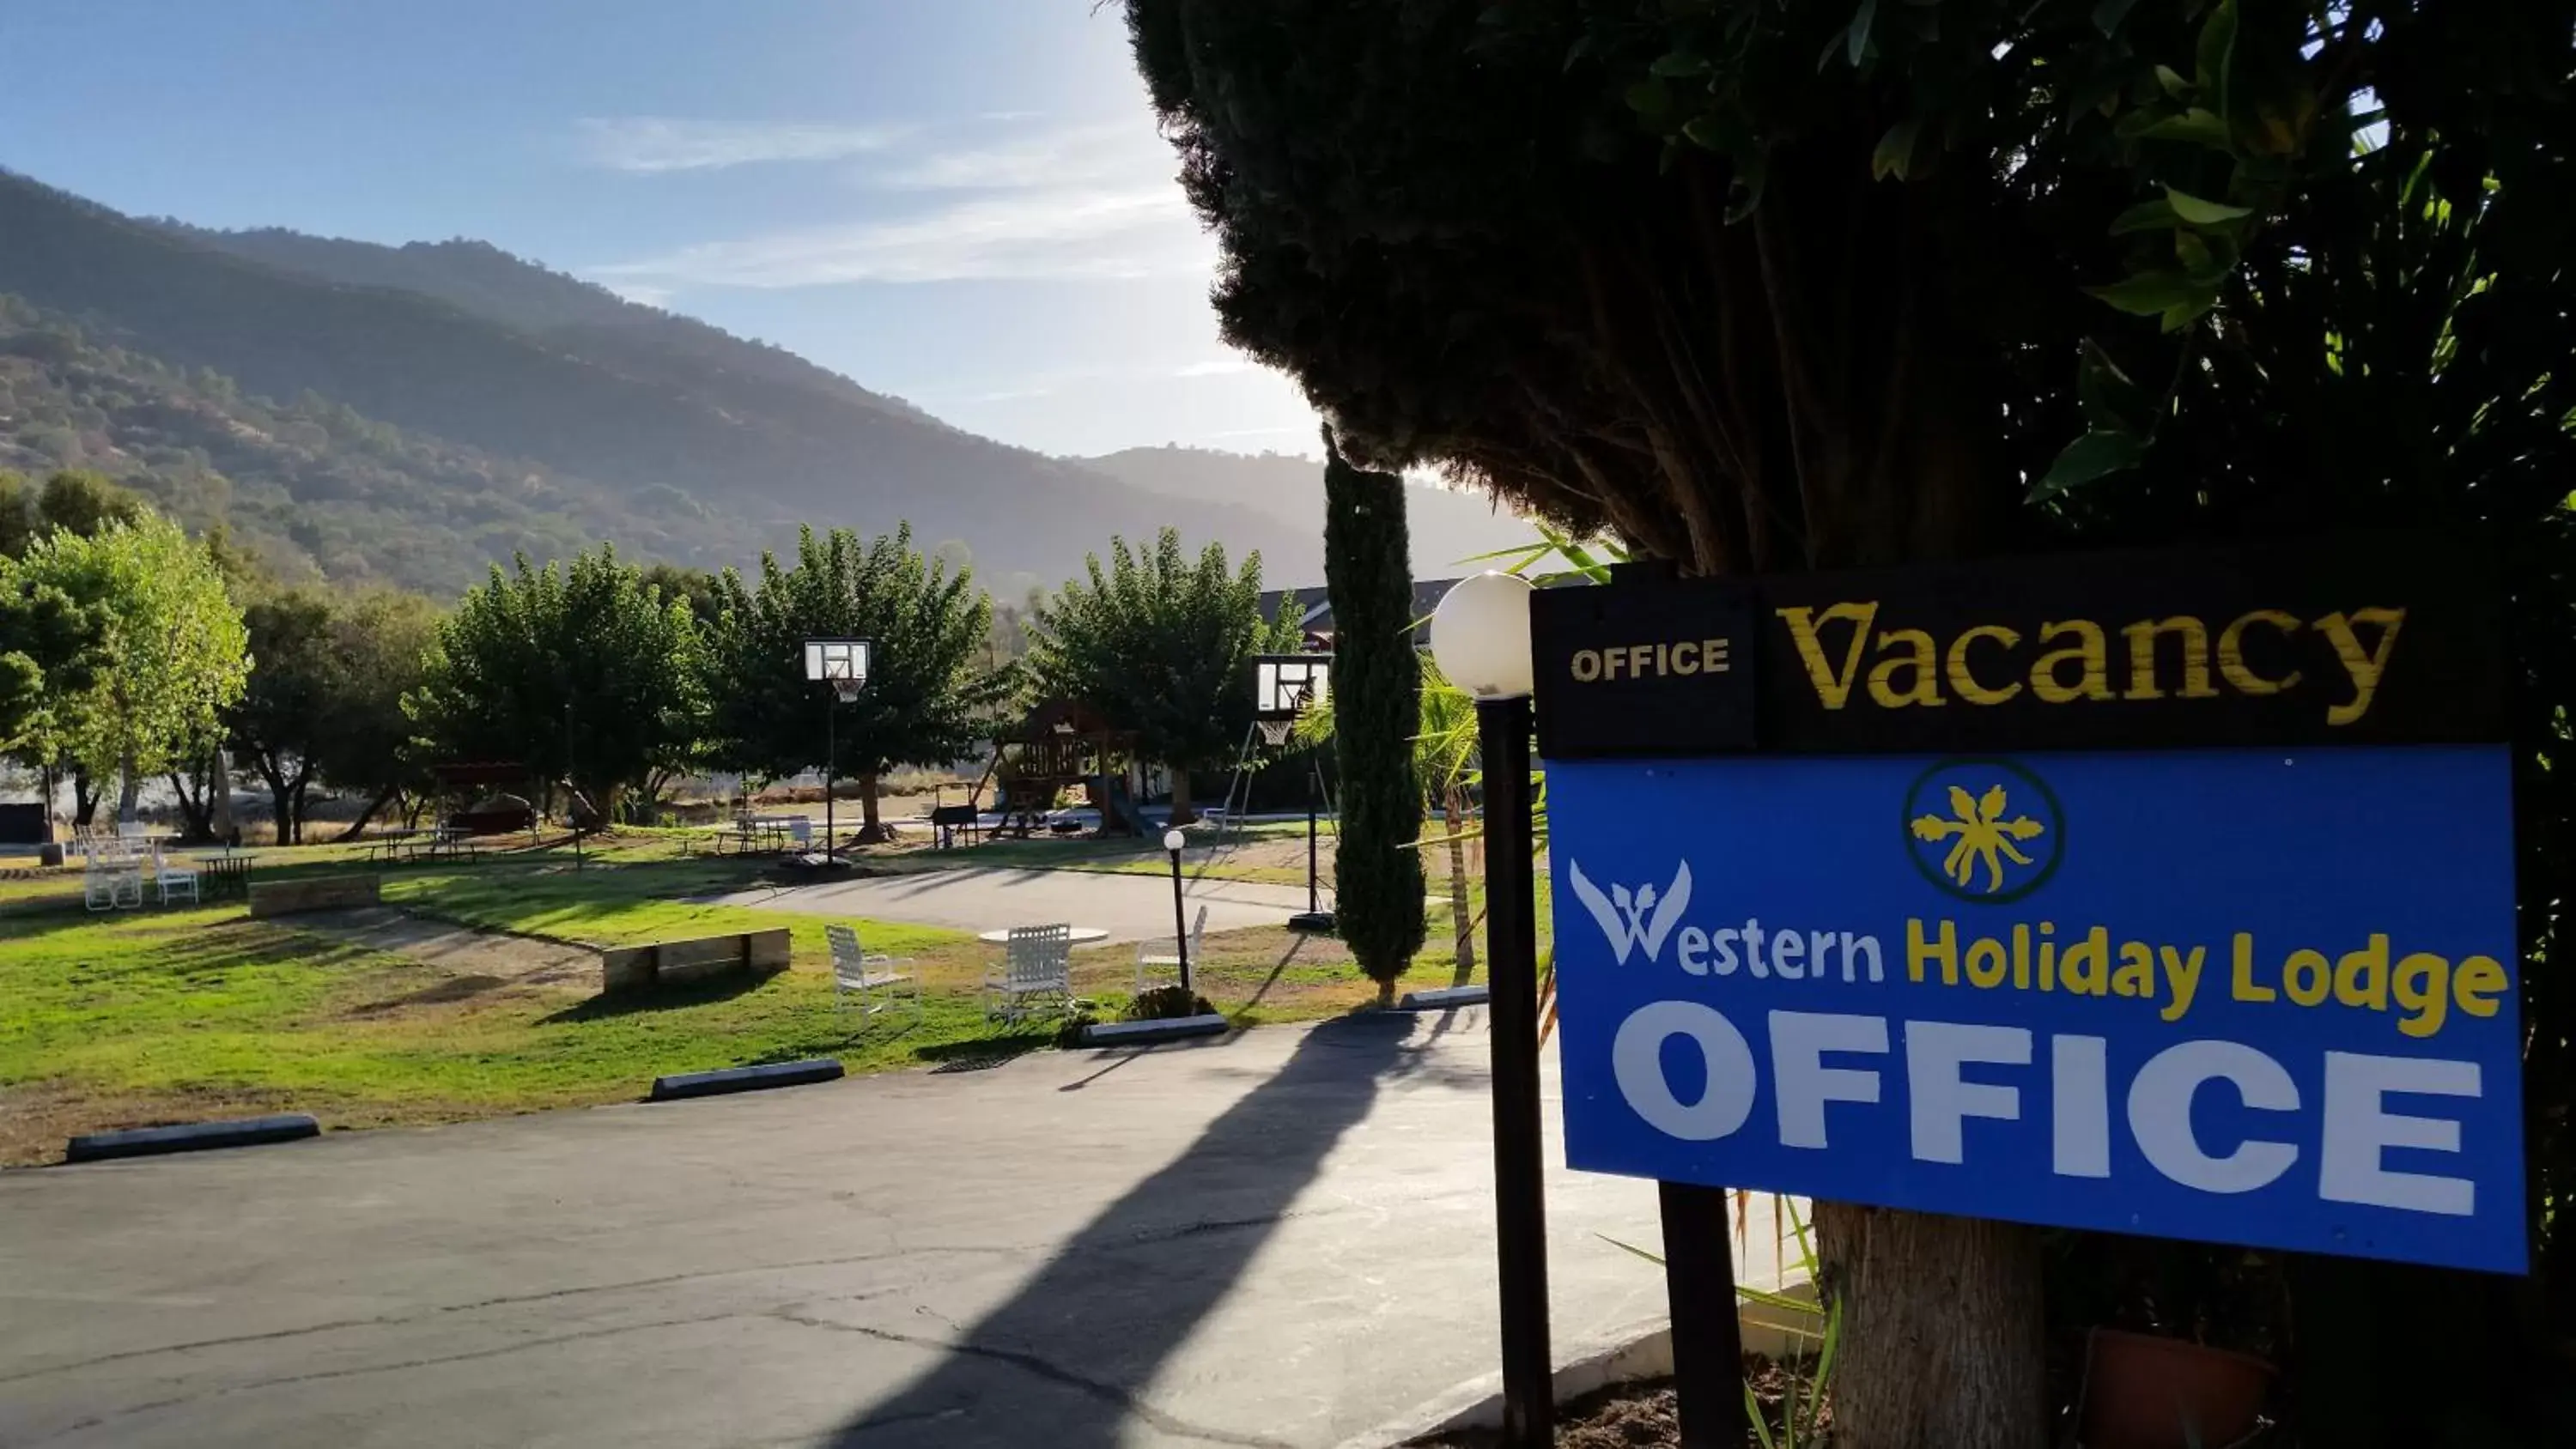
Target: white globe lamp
point(1480, 635)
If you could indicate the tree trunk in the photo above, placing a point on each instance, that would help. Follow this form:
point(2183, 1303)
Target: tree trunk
point(872, 830)
point(1461, 917)
point(1183, 812)
point(281, 799)
point(129, 793)
point(84, 801)
point(1943, 1344)
point(196, 811)
point(364, 816)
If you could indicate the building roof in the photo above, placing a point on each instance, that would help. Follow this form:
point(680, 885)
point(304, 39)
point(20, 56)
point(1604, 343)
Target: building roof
point(1315, 606)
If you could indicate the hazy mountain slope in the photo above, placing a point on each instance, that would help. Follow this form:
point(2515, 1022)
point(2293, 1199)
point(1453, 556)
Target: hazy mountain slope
point(310, 486)
point(498, 287)
point(762, 454)
point(1445, 526)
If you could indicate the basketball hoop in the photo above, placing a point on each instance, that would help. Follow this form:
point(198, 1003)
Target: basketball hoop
point(1274, 732)
point(848, 689)
point(841, 663)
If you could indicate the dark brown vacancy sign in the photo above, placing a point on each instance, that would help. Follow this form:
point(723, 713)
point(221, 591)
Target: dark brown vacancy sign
point(2366, 641)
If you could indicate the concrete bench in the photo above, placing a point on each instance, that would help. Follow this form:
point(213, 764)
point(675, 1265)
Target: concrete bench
point(702, 958)
point(319, 893)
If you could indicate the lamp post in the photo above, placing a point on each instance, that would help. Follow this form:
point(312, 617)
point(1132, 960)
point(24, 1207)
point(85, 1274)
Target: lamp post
point(572, 792)
point(1480, 636)
point(843, 664)
point(1173, 840)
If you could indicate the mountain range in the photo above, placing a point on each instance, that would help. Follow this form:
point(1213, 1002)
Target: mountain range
point(410, 415)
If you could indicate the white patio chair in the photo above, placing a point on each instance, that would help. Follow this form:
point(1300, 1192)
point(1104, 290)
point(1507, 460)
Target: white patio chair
point(868, 982)
point(1147, 956)
point(1037, 964)
point(800, 833)
point(169, 880)
point(112, 885)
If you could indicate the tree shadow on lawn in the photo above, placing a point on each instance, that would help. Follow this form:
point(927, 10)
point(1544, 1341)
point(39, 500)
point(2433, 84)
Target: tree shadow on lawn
point(1065, 1361)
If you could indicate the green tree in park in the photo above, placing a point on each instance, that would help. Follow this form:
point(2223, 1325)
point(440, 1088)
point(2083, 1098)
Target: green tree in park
point(1159, 645)
point(283, 713)
point(579, 671)
point(48, 656)
point(1772, 287)
point(1377, 687)
point(927, 701)
point(325, 698)
point(165, 657)
point(1444, 761)
point(381, 642)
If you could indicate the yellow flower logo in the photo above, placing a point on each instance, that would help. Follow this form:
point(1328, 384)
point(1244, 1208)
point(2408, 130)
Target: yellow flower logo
point(1980, 834)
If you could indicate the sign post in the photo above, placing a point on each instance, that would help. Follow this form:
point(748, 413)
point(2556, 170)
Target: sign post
point(2166, 894)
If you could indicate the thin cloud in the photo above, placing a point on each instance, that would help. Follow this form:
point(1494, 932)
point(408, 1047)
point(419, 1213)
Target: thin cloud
point(1032, 236)
point(653, 144)
point(640, 293)
point(1075, 155)
point(1216, 367)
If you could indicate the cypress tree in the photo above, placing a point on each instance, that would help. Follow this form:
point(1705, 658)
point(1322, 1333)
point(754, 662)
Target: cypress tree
point(1377, 682)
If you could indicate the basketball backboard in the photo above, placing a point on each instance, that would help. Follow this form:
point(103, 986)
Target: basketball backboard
point(834, 660)
point(1282, 684)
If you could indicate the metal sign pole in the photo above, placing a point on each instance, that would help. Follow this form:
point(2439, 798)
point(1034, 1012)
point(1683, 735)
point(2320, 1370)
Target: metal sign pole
point(1708, 1340)
point(1520, 1189)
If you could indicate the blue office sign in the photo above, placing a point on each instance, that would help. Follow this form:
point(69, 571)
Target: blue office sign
point(2258, 992)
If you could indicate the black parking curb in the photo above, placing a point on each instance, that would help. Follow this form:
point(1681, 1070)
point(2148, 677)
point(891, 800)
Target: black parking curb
point(745, 1079)
point(190, 1137)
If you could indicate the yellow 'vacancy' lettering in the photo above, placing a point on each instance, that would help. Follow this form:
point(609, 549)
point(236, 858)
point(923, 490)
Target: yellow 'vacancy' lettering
point(2070, 662)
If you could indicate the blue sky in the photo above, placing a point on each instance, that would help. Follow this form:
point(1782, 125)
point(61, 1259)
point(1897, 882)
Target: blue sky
point(962, 202)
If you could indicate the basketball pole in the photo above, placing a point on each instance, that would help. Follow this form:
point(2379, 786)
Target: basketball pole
point(831, 757)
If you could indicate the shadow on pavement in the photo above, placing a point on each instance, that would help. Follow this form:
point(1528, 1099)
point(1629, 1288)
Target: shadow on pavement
point(1063, 1363)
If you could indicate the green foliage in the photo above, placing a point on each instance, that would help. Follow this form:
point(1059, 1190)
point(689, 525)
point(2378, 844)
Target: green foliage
point(928, 701)
point(49, 654)
point(82, 502)
point(1159, 645)
point(164, 650)
point(1167, 1003)
point(579, 671)
point(325, 698)
point(1377, 874)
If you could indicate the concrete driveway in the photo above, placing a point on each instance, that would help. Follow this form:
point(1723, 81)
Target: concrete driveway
point(1128, 907)
point(1276, 1239)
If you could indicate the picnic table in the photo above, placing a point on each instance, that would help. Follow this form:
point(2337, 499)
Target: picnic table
point(766, 832)
point(1082, 935)
point(454, 842)
point(385, 847)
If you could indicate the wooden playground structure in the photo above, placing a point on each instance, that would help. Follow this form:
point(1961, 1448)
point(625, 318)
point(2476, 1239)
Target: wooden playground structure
point(1060, 745)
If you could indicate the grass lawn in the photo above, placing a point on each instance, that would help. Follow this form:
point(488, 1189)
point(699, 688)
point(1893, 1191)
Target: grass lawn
point(163, 1016)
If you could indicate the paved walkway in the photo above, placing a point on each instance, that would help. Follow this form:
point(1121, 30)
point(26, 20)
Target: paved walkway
point(1280, 1238)
point(973, 898)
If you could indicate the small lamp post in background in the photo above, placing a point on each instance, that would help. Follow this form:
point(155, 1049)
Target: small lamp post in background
point(843, 664)
point(1480, 635)
point(1173, 840)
